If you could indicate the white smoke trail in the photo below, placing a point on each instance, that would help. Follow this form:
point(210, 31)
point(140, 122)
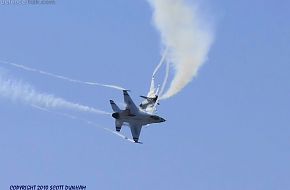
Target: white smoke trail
point(187, 35)
point(60, 76)
point(160, 62)
point(85, 121)
point(19, 91)
point(160, 97)
point(164, 81)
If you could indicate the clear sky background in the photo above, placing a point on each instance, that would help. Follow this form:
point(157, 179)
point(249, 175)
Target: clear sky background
point(228, 129)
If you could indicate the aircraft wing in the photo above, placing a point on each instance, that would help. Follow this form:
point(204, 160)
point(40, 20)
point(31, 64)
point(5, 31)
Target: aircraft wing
point(135, 130)
point(130, 104)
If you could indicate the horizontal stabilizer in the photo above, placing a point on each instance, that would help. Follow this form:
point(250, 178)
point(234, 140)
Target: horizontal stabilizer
point(114, 106)
point(118, 124)
point(145, 97)
point(150, 98)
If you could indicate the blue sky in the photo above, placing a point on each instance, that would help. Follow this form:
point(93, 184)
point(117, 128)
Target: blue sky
point(228, 129)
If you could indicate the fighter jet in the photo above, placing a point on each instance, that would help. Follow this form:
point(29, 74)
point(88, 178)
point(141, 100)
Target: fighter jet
point(149, 104)
point(132, 116)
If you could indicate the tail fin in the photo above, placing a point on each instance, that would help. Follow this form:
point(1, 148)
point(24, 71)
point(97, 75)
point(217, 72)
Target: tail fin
point(114, 106)
point(152, 85)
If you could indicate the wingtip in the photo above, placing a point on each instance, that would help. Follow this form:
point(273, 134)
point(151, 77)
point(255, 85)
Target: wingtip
point(126, 91)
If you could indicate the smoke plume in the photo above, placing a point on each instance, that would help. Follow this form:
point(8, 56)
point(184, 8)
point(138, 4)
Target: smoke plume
point(25, 93)
point(187, 36)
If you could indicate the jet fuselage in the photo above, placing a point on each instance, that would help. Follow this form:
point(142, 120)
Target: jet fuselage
point(141, 117)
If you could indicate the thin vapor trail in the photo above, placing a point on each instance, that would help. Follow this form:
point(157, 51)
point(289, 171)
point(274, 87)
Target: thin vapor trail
point(25, 93)
point(160, 97)
point(160, 62)
point(164, 81)
point(187, 35)
point(83, 120)
point(60, 76)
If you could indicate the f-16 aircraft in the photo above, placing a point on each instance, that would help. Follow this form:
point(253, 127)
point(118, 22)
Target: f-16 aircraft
point(133, 116)
point(149, 104)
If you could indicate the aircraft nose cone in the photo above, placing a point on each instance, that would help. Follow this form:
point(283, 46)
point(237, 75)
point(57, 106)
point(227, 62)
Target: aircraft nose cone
point(163, 120)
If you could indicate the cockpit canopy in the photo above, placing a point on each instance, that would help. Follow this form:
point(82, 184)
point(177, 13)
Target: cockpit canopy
point(155, 117)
